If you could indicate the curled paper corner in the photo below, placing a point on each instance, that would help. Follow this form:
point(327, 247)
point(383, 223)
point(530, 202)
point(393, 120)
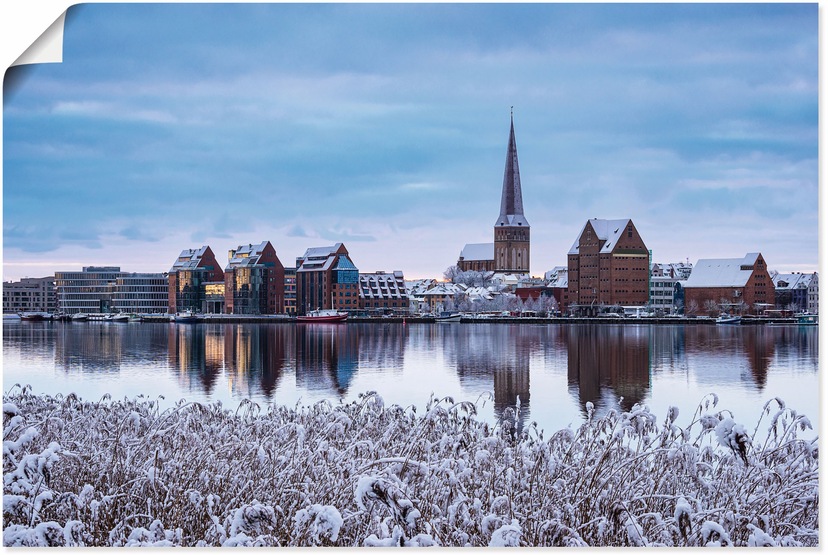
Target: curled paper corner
point(48, 48)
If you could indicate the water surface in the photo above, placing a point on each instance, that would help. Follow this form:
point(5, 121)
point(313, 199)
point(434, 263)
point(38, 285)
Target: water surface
point(554, 369)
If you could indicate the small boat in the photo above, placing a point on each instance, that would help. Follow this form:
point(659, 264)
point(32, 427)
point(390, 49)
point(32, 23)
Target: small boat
point(133, 318)
point(120, 317)
point(807, 319)
point(35, 316)
point(447, 317)
point(322, 316)
point(80, 317)
point(187, 317)
point(729, 319)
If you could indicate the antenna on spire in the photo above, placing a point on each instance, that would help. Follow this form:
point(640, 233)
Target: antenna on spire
point(512, 111)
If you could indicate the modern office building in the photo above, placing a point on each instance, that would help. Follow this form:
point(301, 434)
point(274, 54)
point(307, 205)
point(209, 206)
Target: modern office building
point(509, 254)
point(740, 285)
point(254, 280)
point(608, 265)
point(326, 278)
point(141, 293)
point(106, 289)
point(383, 292)
point(188, 279)
point(29, 295)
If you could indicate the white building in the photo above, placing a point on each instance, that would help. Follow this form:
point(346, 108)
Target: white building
point(29, 295)
point(665, 280)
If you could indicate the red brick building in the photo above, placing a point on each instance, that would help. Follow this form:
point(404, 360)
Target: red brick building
point(188, 279)
point(730, 285)
point(509, 253)
point(326, 278)
point(254, 280)
point(608, 265)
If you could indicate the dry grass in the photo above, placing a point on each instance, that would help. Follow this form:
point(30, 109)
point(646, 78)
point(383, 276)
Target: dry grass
point(127, 473)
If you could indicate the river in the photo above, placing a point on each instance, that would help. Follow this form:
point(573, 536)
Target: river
point(554, 369)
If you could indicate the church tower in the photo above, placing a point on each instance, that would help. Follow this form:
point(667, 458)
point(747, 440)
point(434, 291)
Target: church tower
point(511, 231)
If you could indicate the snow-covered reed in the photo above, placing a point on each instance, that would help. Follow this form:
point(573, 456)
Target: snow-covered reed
point(119, 473)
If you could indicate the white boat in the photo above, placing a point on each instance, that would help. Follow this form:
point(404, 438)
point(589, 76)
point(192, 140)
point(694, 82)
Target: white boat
point(447, 317)
point(322, 316)
point(80, 317)
point(120, 317)
point(729, 319)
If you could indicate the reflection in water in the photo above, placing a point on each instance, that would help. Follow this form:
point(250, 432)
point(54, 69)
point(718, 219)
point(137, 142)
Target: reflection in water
point(606, 359)
point(569, 365)
point(499, 359)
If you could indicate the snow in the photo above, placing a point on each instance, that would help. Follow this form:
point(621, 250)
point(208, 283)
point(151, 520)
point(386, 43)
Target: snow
point(121, 473)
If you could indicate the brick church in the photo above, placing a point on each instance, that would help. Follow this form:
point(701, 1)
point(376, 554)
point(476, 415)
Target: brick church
point(509, 253)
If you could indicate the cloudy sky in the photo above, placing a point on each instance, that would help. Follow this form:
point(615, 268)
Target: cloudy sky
point(385, 127)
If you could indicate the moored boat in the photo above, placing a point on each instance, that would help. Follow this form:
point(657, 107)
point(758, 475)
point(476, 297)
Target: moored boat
point(807, 319)
point(186, 317)
point(323, 316)
point(80, 317)
point(729, 319)
point(447, 317)
point(35, 316)
point(120, 317)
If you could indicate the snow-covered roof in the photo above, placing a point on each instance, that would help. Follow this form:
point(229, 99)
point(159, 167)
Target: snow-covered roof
point(722, 272)
point(478, 251)
point(608, 231)
point(246, 255)
point(792, 281)
point(189, 259)
point(319, 258)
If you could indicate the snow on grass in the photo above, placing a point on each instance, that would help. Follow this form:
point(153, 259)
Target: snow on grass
point(126, 473)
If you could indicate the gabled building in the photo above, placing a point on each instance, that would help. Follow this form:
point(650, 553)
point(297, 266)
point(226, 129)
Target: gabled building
point(510, 251)
point(740, 285)
point(326, 278)
point(383, 292)
point(192, 274)
point(666, 286)
point(254, 280)
point(796, 290)
point(608, 265)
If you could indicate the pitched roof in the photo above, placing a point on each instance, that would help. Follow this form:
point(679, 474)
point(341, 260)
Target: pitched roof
point(792, 281)
point(478, 251)
point(246, 255)
point(511, 199)
point(608, 231)
point(189, 259)
point(722, 272)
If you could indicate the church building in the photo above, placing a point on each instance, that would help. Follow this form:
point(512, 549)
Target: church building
point(509, 253)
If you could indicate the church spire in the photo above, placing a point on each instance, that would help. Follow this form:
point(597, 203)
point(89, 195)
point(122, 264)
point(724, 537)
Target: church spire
point(511, 200)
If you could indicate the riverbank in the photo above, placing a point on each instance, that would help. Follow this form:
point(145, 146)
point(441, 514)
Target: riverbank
point(125, 472)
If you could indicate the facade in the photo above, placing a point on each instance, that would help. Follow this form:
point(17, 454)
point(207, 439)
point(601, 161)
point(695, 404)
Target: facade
point(326, 278)
point(254, 280)
point(141, 293)
point(740, 285)
point(106, 289)
point(383, 292)
point(188, 279)
point(290, 291)
point(796, 291)
point(666, 289)
point(608, 265)
point(478, 257)
point(510, 250)
point(29, 295)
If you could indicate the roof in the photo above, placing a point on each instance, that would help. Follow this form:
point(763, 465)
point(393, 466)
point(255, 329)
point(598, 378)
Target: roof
point(608, 231)
point(189, 259)
point(478, 251)
point(511, 200)
point(792, 281)
point(722, 272)
point(246, 255)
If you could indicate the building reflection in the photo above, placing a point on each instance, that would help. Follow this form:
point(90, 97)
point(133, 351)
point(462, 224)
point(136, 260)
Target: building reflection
point(608, 365)
point(104, 347)
point(195, 354)
point(496, 361)
point(718, 352)
point(255, 357)
point(327, 357)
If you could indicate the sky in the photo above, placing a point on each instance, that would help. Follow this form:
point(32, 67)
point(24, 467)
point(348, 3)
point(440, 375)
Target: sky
point(385, 127)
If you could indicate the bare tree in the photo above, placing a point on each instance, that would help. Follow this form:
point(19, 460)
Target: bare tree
point(712, 307)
